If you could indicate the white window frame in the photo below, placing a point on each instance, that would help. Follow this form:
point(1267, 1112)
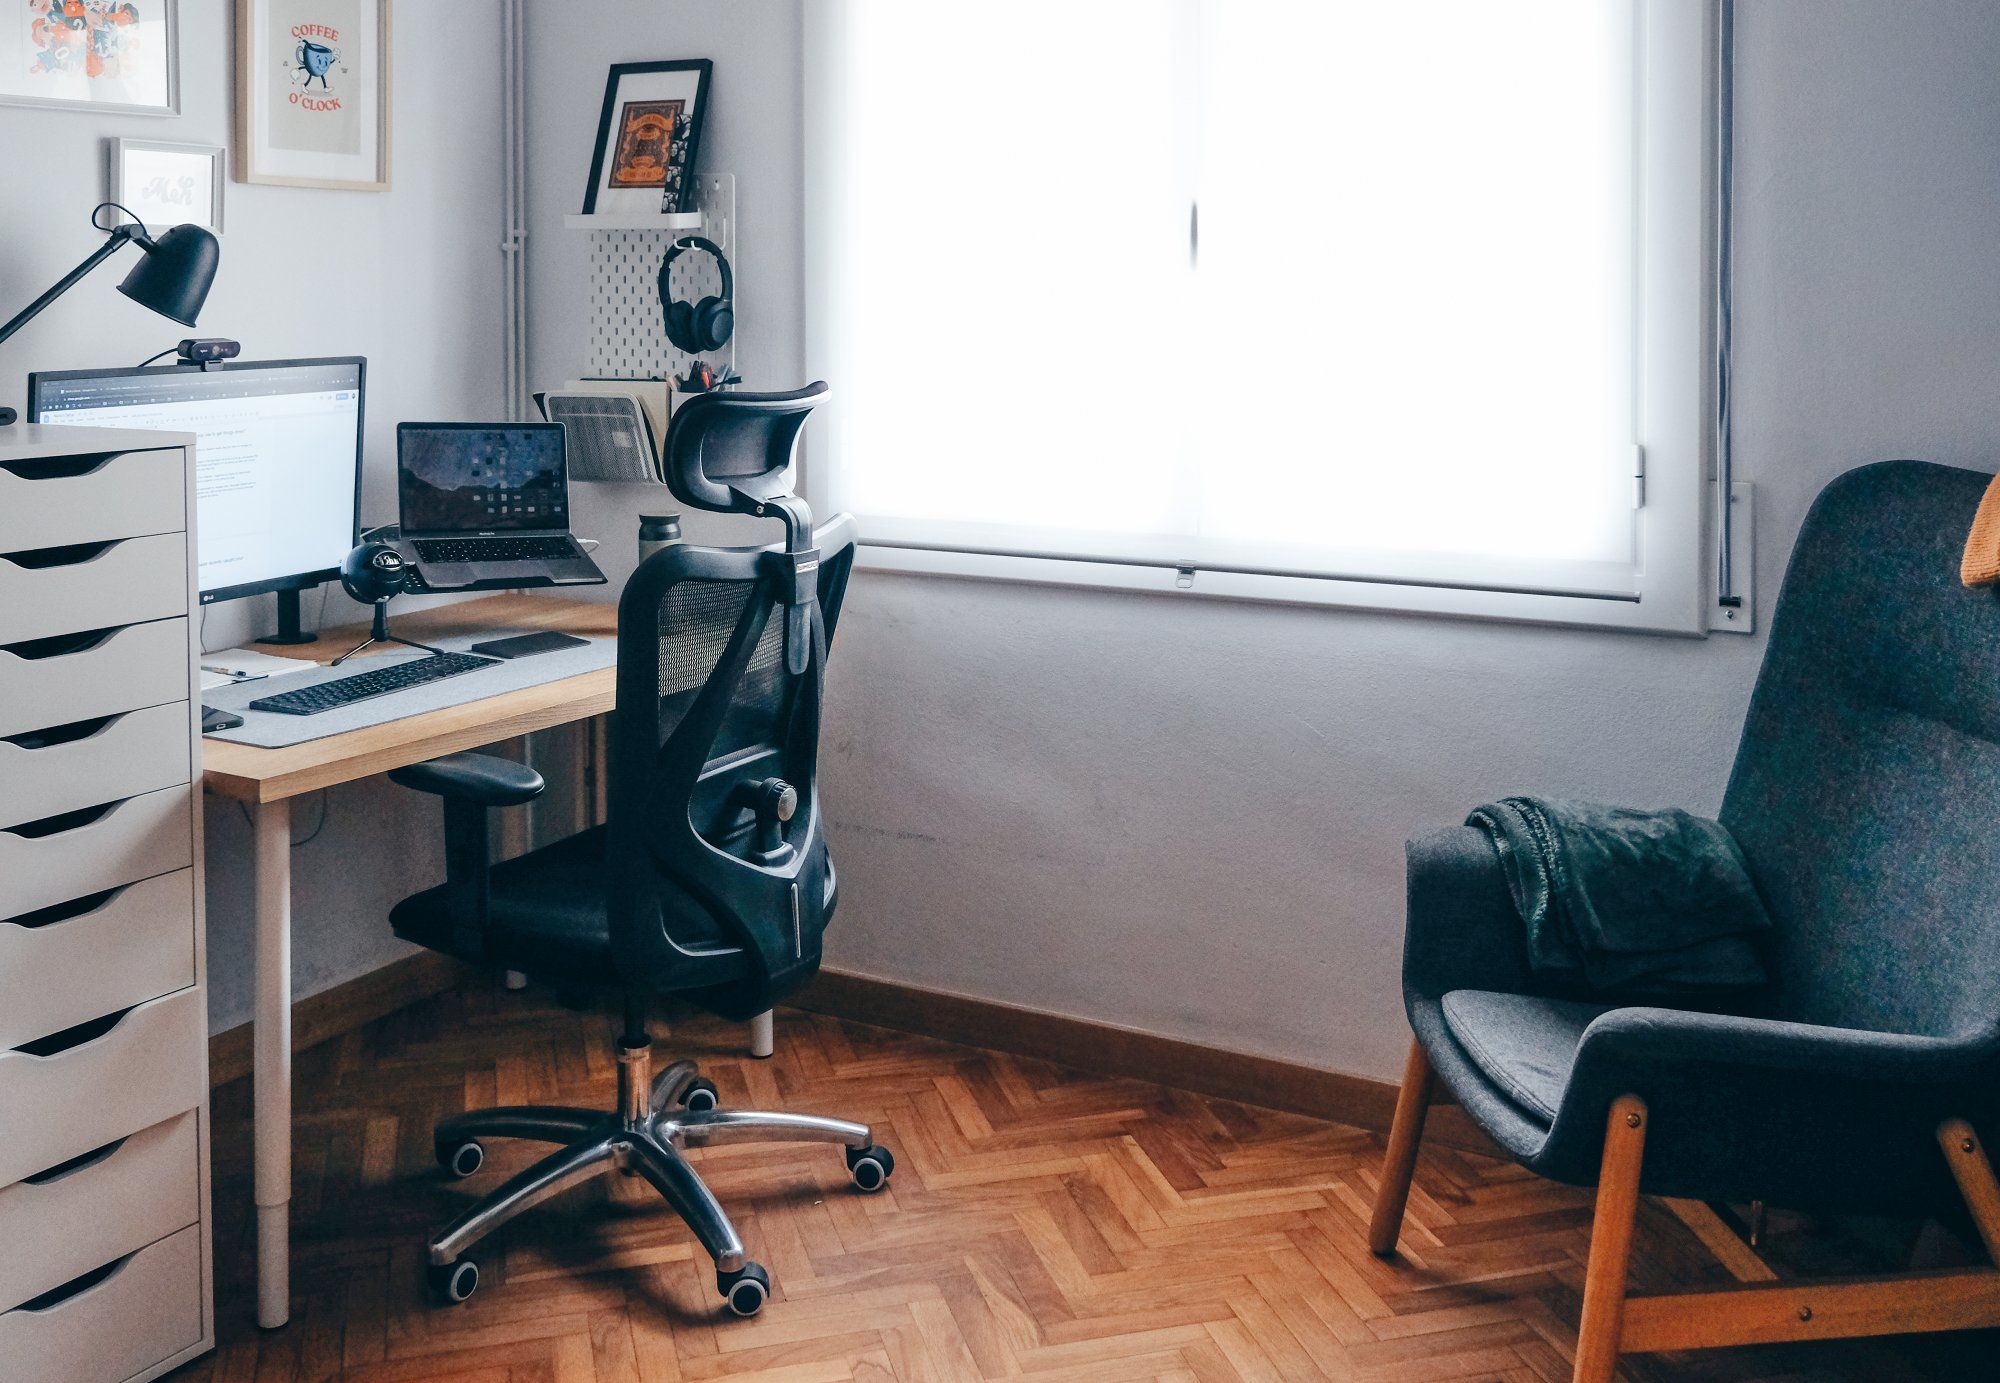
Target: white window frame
point(1679, 372)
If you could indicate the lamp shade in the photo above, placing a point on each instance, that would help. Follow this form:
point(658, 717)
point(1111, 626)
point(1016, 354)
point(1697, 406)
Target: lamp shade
point(173, 275)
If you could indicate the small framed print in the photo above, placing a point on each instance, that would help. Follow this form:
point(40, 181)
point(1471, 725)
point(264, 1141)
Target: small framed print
point(647, 136)
point(168, 184)
point(114, 55)
point(312, 93)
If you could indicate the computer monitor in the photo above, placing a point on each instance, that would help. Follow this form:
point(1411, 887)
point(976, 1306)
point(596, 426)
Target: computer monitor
point(277, 460)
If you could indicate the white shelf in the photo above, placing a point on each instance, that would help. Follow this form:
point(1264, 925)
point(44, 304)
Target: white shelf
point(635, 220)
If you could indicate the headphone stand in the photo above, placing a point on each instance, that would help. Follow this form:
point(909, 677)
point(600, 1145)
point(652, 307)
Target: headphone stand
point(379, 633)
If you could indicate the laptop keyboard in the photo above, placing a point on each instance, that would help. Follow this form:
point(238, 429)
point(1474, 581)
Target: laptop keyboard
point(495, 549)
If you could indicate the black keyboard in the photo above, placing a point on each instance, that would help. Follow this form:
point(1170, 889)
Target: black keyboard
point(327, 696)
point(495, 549)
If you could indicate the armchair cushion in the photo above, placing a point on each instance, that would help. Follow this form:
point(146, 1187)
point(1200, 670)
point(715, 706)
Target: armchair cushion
point(1523, 1043)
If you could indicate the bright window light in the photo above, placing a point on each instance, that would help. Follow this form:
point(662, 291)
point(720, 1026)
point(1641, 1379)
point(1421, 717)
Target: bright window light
point(1342, 290)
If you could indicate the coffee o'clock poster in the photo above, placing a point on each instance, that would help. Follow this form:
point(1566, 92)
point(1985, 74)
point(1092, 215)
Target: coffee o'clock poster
point(312, 95)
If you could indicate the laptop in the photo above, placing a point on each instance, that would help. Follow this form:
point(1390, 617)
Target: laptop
point(486, 506)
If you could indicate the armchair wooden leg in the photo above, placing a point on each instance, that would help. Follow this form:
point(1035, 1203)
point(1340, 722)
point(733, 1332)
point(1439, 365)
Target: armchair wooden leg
point(1611, 1241)
point(1413, 1101)
point(1974, 1175)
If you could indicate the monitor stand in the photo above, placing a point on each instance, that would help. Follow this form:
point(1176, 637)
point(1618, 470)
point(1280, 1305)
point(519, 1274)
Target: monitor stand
point(289, 630)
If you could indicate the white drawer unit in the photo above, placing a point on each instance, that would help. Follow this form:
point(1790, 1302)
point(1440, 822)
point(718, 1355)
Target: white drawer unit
point(50, 501)
point(98, 954)
point(69, 677)
point(59, 590)
point(94, 1209)
point(116, 1323)
point(89, 762)
point(48, 862)
point(105, 1273)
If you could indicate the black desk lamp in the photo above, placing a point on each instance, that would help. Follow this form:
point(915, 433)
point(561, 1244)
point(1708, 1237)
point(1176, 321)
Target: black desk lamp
point(172, 278)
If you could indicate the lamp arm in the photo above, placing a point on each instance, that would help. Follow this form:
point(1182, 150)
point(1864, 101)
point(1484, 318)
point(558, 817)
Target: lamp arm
point(118, 237)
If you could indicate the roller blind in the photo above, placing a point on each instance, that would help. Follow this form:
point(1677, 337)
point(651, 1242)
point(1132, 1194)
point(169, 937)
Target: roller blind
point(1345, 290)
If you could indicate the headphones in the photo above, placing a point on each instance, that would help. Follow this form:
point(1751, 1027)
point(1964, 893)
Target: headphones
point(705, 325)
point(373, 572)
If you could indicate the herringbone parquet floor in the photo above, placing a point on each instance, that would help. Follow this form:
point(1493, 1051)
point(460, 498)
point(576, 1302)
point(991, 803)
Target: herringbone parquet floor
point(1041, 1224)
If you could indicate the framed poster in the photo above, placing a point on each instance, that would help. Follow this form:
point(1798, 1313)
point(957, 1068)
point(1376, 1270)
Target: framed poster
point(167, 185)
point(116, 55)
point(312, 93)
point(647, 137)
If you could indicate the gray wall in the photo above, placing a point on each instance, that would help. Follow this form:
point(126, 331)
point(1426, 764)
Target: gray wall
point(409, 278)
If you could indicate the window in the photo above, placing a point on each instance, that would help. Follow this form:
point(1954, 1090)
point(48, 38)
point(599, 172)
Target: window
point(1383, 305)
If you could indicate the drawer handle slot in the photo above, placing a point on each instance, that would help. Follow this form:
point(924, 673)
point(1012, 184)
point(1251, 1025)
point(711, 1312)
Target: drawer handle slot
point(81, 1162)
point(57, 467)
point(68, 555)
point(63, 912)
point(58, 645)
point(69, 1039)
point(62, 734)
point(77, 1286)
point(63, 821)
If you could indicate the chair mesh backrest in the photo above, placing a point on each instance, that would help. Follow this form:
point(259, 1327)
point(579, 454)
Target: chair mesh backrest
point(697, 620)
point(1868, 776)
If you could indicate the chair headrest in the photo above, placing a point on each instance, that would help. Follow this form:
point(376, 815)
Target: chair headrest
point(729, 452)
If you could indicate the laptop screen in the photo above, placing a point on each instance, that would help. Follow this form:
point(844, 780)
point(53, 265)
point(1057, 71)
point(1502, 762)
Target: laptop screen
point(481, 478)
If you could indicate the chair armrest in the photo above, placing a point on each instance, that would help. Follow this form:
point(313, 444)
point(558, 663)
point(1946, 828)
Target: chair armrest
point(485, 780)
point(1462, 931)
point(1630, 1040)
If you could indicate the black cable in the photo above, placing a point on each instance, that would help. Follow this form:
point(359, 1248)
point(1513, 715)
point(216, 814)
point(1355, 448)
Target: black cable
point(325, 811)
point(137, 220)
point(155, 356)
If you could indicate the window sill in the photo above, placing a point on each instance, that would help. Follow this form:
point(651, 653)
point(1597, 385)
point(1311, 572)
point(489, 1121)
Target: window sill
point(1635, 615)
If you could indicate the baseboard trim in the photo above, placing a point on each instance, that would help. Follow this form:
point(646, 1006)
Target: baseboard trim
point(1079, 1043)
point(341, 1009)
point(1108, 1049)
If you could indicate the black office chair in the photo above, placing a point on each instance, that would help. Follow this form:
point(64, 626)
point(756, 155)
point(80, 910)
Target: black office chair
point(710, 878)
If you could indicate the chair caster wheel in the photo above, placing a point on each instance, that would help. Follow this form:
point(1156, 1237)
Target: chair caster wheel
point(700, 1097)
point(869, 1167)
point(746, 1290)
point(461, 1159)
point(452, 1283)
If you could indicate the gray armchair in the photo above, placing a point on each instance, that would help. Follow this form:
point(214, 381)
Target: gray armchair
point(1866, 798)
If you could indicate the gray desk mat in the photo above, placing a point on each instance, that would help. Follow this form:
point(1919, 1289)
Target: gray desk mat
point(269, 730)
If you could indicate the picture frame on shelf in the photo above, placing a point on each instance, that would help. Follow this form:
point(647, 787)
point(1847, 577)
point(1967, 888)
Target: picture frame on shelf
point(312, 93)
point(648, 137)
point(167, 185)
point(108, 55)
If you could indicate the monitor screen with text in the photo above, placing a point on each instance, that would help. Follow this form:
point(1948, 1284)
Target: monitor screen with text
point(277, 457)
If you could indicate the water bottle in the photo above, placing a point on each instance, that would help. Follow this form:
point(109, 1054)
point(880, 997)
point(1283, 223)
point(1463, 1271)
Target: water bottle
point(657, 531)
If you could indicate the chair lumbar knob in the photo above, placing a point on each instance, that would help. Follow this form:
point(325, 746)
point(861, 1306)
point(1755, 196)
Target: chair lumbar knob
point(452, 1283)
point(870, 1167)
point(746, 1290)
point(461, 1159)
point(700, 1096)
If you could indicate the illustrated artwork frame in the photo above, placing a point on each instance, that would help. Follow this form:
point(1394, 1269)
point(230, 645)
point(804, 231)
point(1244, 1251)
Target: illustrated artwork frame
point(122, 56)
point(313, 93)
point(190, 171)
point(648, 137)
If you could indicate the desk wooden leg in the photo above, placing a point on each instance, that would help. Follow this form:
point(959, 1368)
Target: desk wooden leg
point(272, 1062)
point(763, 1039)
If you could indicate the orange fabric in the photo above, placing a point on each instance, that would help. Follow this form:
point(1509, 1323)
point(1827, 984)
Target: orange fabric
point(1981, 564)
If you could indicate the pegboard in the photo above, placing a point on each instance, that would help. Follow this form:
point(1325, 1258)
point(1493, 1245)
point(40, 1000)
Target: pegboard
point(628, 327)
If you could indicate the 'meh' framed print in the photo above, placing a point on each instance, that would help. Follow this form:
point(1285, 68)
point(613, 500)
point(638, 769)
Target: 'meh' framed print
point(167, 185)
point(647, 137)
point(115, 55)
point(312, 93)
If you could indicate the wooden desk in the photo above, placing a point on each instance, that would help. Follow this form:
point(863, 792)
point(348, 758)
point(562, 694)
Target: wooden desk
point(268, 780)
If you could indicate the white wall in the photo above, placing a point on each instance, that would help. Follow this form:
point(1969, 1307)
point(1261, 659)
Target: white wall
point(410, 278)
point(1188, 817)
